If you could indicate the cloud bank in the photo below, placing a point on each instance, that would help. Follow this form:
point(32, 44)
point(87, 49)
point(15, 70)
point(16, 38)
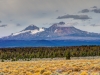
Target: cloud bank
point(96, 10)
point(3, 25)
point(85, 11)
point(80, 17)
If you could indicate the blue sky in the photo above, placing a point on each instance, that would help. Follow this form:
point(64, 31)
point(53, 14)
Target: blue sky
point(15, 15)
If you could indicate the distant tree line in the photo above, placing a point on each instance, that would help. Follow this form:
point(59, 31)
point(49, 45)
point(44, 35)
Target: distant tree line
point(27, 53)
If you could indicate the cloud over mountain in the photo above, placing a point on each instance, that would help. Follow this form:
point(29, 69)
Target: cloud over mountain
point(18, 24)
point(0, 21)
point(80, 17)
point(85, 11)
point(96, 10)
point(94, 7)
point(3, 25)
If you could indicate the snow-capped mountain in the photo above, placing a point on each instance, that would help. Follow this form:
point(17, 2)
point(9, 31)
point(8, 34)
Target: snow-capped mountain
point(26, 34)
point(32, 29)
point(57, 31)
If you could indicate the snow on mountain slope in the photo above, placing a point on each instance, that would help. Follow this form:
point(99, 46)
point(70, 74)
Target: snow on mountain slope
point(30, 31)
point(14, 34)
point(37, 31)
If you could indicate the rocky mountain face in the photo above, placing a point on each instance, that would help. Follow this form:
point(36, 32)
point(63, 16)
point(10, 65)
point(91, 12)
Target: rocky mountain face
point(57, 31)
point(31, 27)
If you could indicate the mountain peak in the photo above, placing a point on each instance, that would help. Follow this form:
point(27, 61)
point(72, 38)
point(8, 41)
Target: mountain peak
point(31, 27)
point(61, 23)
point(56, 24)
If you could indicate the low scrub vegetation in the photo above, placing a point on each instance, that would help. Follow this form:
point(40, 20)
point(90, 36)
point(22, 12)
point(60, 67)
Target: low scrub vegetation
point(54, 67)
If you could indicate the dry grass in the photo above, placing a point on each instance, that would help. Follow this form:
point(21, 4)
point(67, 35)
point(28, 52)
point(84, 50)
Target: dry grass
point(54, 67)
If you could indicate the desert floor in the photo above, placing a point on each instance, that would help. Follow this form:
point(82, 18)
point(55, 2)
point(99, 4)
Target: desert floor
point(51, 67)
